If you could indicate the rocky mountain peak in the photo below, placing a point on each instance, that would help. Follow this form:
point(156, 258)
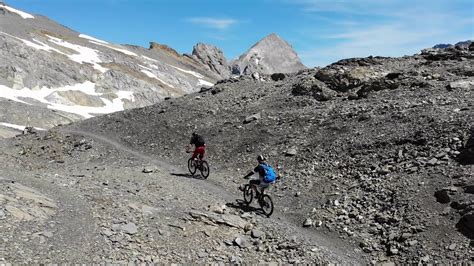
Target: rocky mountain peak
point(271, 38)
point(270, 55)
point(213, 58)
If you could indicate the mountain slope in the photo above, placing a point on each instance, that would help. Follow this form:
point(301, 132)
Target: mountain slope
point(55, 68)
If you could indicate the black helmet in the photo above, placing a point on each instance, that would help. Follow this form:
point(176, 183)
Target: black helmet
point(261, 158)
point(194, 133)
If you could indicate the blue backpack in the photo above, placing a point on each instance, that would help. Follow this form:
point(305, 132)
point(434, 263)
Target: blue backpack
point(270, 175)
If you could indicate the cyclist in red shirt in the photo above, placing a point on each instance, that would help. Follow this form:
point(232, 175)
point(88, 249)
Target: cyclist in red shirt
point(200, 145)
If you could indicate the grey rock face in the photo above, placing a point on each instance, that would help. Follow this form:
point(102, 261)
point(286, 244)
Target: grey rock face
point(270, 55)
point(213, 58)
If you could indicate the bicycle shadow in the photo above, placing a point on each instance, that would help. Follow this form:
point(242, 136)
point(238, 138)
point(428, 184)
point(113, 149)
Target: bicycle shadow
point(241, 205)
point(188, 175)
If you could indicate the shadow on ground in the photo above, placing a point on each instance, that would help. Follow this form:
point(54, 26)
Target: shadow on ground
point(241, 205)
point(188, 175)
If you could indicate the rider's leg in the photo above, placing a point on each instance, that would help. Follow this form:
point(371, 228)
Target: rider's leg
point(263, 185)
point(201, 150)
point(254, 185)
point(195, 153)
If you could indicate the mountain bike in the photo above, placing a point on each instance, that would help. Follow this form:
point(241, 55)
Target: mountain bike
point(264, 200)
point(202, 165)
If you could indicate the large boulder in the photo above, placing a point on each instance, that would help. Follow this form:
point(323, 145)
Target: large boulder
point(376, 85)
point(467, 153)
point(315, 88)
point(466, 225)
point(461, 85)
point(343, 79)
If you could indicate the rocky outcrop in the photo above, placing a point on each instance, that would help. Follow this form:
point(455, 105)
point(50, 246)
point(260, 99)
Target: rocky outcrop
point(458, 45)
point(213, 58)
point(270, 55)
point(163, 47)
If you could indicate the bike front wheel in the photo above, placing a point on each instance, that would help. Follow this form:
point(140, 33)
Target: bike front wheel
point(266, 204)
point(248, 194)
point(192, 166)
point(204, 169)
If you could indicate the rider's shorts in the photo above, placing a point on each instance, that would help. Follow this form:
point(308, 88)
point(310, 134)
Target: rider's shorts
point(199, 151)
point(260, 183)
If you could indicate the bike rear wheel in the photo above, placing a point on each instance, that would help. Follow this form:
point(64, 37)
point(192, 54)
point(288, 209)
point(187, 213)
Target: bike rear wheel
point(192, 166)
point(248, 194)
point(204, 169)
point(266, 204)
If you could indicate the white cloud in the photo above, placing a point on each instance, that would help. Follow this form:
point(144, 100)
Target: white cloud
point(382, 28)
point(216, 23)
point(384, 40)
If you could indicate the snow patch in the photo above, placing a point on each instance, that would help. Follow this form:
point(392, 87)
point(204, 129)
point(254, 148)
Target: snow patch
point(85, 54)
point(149, 74)
point(123, 51)
point(18, 126)
point(92, 38)
point(147, 71)
point(18, 12)
point(85, 111)
point(36, 44)
point(147, 68)
point(197, 75)
point(39, 45)
point(150, 59)
point(202, 82)
point(126, 95)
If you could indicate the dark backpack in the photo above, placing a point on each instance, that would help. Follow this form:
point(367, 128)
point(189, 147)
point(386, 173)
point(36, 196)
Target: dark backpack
point(270, 175)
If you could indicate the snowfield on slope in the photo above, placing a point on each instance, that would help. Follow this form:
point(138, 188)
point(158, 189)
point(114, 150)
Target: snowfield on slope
point(85, 111)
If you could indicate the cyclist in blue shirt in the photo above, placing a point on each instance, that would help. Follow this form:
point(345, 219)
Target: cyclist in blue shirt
point(266, 175)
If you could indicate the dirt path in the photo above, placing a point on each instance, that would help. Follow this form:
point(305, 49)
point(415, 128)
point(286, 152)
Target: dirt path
point(215, 191)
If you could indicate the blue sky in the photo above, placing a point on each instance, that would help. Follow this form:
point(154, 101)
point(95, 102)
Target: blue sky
point(321, 31)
